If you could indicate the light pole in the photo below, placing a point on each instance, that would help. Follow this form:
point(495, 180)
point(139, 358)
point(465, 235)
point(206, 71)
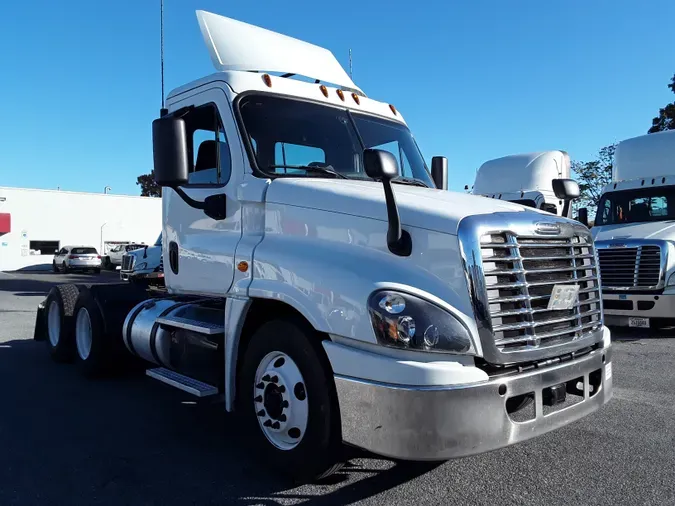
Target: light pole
point(101, 250)
point(106, 189)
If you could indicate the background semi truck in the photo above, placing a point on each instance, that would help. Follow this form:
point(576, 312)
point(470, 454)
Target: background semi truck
point(144, 265)
point(635, 233)
point(327, 285)
point(530, 179)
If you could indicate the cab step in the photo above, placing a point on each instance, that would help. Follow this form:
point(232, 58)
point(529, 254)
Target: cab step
point(201, 327)
point(182, 382)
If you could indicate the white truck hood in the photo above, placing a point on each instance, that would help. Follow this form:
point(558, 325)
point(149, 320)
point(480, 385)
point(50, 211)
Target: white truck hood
point(647, 230)
point(437, 210)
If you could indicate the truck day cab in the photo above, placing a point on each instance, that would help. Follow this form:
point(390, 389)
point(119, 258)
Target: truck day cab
point(634, 233)
point(540, 180)
point(331, 289)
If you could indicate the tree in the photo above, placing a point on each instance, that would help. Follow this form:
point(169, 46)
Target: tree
point(149, 188)
point(593, 176)
point(666, 118)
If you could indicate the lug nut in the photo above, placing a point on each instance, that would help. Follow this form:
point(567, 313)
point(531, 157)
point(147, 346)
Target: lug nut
point(266, 377)
point(274, 379)
point(282, 389)
point(268, 423)
point(282, 418)
point(284, 404)
point(261, 412)
point(260, 385)
point(258, 399)
point(276, 425)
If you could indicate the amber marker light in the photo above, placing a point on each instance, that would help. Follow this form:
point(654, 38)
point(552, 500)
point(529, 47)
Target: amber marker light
point(267, 80)
point(324, 90)
point(242, 266)
point(356, 99)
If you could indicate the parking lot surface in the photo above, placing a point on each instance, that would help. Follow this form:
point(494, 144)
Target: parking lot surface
point(130, 440)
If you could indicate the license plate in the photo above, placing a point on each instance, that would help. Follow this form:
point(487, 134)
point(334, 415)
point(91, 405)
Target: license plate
point(638, 322)
point(563, 297)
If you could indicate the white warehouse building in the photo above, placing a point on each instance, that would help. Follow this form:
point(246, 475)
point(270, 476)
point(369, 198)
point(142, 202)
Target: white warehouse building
point(34, 224)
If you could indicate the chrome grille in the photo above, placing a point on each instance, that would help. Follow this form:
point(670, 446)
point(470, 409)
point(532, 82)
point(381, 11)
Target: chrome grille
point(128, 262)
point(630, 267)
point(519, 275)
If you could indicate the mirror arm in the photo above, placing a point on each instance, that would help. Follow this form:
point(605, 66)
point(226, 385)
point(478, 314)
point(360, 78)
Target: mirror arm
point(196, 204)
point(398, 240)
point(214, 206)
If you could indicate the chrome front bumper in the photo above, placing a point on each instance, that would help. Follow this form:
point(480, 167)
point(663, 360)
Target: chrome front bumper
point(660, 306)
point(438, 423)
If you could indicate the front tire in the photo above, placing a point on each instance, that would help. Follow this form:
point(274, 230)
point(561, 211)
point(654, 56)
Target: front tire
point(65, 268)
point(54, 267)
point(286, 390)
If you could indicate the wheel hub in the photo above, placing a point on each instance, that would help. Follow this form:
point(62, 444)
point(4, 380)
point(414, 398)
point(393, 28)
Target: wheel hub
point(280, 400)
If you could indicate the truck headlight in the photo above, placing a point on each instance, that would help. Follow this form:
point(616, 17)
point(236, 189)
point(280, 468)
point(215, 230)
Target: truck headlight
point(401, 320)
point(141, 266)
point(671, 280)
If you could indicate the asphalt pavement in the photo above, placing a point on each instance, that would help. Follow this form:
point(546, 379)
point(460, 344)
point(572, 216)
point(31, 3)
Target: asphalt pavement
point(134, 441)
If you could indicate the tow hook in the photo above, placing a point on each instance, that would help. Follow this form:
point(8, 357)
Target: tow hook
point(555, 394)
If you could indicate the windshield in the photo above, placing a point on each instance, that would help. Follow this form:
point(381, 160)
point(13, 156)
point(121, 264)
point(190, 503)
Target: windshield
point(289, 136)
point(639, 205)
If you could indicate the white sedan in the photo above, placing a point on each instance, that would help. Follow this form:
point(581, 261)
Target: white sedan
point(71, 258)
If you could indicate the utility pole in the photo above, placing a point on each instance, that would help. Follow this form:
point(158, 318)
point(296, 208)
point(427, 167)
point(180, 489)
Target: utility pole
point(161, 50)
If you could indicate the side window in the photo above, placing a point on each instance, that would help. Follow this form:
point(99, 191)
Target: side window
point(287, 156)
point(210, 161)
point(605, 212)
point(659, 206)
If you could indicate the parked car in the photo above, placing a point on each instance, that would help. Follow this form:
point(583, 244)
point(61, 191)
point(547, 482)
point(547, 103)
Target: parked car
point(71, 258)
point(114, 256)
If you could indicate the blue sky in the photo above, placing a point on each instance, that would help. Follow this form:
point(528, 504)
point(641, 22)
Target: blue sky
point(475, 80)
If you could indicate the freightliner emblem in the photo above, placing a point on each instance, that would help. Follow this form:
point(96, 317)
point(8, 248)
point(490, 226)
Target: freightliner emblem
point(547, 228)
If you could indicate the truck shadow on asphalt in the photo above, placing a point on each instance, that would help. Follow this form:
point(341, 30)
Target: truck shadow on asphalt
point(129, 440)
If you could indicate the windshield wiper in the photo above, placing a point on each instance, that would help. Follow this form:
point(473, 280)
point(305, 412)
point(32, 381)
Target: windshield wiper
point(410, 181)
point(324, 169)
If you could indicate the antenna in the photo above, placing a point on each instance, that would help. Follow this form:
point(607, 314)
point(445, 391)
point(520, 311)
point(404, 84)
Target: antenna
point(162, 111)
point(351, 70)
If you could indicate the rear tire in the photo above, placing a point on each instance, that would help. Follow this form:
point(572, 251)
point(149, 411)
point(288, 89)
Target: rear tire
point(65, 268)
point(54, 267)
point(59, 307)
point(93, 353)
point(287, 350)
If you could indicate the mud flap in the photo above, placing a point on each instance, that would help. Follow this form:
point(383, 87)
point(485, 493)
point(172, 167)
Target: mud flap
point(40, 332)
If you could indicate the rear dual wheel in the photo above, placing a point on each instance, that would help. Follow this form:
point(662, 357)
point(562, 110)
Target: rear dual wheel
point(287, 392)
point(60, 307)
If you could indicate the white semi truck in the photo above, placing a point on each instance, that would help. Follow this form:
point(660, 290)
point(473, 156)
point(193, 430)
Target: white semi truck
point(144, 265)
point(529, 179)
point(325, 284)
point(634, 232)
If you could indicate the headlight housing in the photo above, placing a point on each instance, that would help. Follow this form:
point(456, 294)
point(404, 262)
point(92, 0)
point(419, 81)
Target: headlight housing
point(404, 321)
point(671, 280)
point(141, 266)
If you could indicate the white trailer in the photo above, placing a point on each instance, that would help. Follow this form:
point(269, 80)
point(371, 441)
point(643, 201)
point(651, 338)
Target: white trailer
point(635, 233)
point(327, 297)
point(526, 179)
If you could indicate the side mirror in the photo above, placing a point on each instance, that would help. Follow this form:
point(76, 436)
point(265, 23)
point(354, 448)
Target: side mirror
point(169, 146)
point(583, 216)
point(439, 172)
point(380, 164)
point(566, 189)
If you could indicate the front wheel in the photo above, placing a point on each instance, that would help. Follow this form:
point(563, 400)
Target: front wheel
point(54, 267)
point(286, 390)
point(65, 268)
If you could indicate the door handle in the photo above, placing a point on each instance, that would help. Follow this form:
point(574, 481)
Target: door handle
point(173, 256)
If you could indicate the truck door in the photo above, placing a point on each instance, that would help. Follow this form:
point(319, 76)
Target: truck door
point(198, 251)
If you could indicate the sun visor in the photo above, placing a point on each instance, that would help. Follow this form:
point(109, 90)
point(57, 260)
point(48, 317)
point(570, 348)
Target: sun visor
point(234, 45)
